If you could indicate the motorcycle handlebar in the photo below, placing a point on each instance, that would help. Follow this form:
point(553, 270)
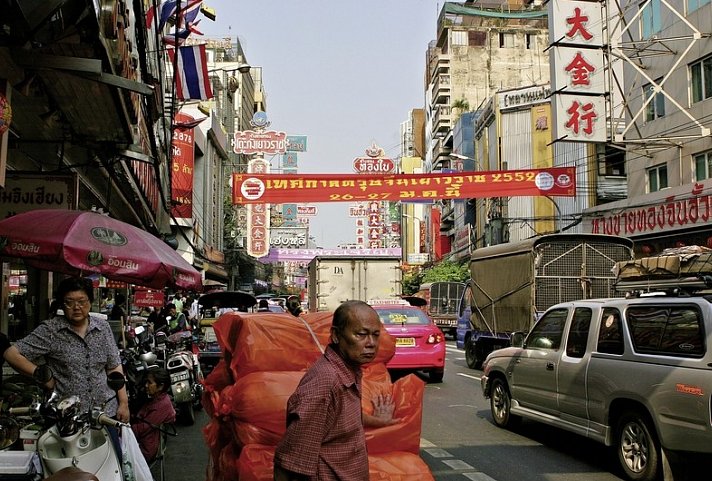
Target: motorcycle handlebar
point(109, 421)
point(20, 411)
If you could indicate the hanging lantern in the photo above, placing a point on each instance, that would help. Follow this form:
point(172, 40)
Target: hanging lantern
point(5, 114)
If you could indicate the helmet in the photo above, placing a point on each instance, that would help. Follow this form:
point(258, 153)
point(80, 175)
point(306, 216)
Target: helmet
point(148, 357)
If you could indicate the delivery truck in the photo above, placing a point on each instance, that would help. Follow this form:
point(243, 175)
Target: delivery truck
point(512, 284)
point(335, 279)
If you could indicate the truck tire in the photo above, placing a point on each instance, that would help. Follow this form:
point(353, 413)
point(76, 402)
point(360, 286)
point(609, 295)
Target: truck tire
point(638, 447)
point(473, 362)
point(501, 405)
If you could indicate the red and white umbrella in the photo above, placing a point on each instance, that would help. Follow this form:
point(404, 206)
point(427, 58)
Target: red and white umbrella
point(79, 242)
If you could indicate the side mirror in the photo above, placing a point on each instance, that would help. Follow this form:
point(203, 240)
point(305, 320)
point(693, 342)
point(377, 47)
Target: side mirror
point(115, 380)
point(517, 339)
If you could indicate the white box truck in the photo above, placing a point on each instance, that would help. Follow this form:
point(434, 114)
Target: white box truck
point(335, 279)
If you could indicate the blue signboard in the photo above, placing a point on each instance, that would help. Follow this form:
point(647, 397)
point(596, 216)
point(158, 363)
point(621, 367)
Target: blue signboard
point(296, 143)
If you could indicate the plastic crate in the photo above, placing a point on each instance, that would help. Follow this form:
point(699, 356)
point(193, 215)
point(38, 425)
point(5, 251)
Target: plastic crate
point(17, 466)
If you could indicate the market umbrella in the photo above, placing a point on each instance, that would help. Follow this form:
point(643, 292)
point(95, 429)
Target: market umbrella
point(79, 242)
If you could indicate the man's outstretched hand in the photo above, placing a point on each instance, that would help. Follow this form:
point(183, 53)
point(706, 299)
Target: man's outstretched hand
point(383, 409)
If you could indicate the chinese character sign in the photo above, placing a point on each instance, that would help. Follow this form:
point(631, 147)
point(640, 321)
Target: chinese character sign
point(577, 65)
point(278, 188)
point(581, 117)
point(182, 159)
point(576, 23)
point(578, 70)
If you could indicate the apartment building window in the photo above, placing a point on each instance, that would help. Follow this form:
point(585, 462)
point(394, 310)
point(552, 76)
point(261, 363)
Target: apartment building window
point(701, 79)
point(506, 40)
point(703, 165)
point(657, 178)
point(693, 5)
point(459, 37)
point(656, 107)
point(611, 161)
point(650, 19)
point(528, 41)
point(477, 39)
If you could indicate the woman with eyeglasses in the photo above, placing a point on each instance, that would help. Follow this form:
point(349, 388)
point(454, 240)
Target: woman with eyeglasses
point(80, 351)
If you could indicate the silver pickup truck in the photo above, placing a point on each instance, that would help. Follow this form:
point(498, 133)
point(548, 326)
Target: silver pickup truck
point(635, 374)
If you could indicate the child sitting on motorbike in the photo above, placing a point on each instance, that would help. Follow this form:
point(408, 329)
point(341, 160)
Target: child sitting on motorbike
point(156, 411)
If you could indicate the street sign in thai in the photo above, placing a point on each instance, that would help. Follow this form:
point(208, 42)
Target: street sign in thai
point(253, 142)
point(307, 210)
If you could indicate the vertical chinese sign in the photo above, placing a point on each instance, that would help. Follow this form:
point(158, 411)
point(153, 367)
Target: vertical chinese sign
point(375, 162)
point(258, 142)
point(183, 163)
point(577, 70)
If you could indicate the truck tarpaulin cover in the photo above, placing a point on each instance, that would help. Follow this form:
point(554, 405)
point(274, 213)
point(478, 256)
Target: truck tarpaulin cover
point(265, 357)
point(284, 188)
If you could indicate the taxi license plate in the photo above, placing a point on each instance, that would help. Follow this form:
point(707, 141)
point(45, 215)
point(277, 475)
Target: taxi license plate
point(179, 376)
point(405, 341)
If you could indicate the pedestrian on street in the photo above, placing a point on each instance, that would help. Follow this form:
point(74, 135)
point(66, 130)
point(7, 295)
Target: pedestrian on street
point(294, 306)
point(80, 351)
point(263, 306)
point(156, 411)
point(325, 437)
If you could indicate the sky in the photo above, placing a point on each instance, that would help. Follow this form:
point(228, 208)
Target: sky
point(343, 73)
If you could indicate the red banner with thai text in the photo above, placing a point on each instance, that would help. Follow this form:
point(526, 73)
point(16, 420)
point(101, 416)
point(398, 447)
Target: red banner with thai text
point(280, 188)
point(183, 158)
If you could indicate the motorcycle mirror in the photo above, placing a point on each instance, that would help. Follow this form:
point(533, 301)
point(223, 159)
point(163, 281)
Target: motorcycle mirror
point(115, 380)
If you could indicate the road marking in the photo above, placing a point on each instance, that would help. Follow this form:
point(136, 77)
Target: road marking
point(453, 349)
point(477, 476)
point(457, 464)
point(424, 443)
point(438, 453)
point(476, 378)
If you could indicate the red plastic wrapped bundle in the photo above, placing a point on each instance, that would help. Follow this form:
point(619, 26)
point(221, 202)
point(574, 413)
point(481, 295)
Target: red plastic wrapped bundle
point(398, 466)
point(266, 356)
point(271, 342)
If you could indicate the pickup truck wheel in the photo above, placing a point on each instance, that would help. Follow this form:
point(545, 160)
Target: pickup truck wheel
point(471, 355)
point(638, 447)
point(501, 405)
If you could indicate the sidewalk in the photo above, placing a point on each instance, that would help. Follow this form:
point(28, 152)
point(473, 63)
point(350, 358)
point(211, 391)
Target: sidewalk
point(186, 454)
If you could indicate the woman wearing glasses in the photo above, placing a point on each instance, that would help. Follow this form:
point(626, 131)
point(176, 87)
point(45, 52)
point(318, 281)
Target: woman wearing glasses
point(80, 351)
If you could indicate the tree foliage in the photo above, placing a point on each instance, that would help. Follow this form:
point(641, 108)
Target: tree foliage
point(447, 271)
point(444, 271)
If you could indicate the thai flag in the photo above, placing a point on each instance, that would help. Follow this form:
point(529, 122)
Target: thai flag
point(187, 11)
point(192, 78)
point(166, 10)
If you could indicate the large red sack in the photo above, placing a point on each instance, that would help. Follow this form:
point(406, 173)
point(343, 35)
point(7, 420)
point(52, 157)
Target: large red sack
point(407, 395)
point(280, 342)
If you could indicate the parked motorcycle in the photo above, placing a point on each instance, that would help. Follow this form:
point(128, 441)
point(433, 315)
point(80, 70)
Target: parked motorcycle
point(74, 435)
point(137, 358)
point(186, 376)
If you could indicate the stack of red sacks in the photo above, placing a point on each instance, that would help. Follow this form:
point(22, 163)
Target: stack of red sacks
point(265, 357)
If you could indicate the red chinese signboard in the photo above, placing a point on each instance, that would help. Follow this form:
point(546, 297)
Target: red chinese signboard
point(279, 188)
point(263, 142)
point(182, 176)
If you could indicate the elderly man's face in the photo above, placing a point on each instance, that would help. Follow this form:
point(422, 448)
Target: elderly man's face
point(358, 343)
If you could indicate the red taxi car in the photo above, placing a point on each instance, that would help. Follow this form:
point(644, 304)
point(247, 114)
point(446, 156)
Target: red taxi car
point(420, 344)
